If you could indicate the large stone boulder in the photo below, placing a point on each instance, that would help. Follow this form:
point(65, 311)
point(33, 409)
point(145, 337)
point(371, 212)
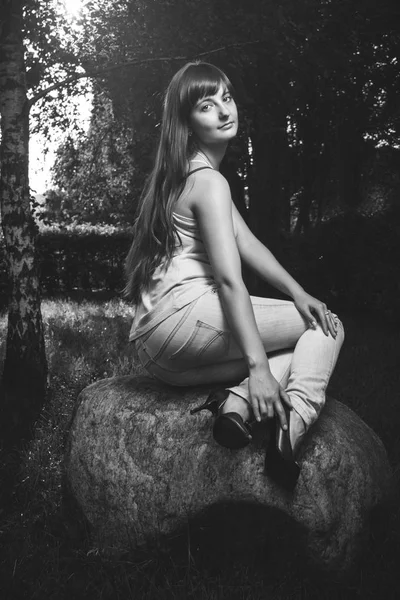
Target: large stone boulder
point(139, 466)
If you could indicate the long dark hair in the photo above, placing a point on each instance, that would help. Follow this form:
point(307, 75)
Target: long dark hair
point(154, 233)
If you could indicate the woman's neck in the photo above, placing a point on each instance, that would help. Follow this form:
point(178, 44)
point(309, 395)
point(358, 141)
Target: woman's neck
point(210, 155)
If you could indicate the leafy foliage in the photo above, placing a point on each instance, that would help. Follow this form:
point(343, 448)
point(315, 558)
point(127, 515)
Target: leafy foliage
point(317, 84)
point(95, 175)
point(52, 61)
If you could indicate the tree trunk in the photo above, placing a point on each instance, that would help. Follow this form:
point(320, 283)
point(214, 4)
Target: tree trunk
point(25, 368)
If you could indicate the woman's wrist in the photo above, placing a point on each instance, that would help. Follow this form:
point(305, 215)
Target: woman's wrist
point(255, 364)
point(288, 286)
point(297, 292)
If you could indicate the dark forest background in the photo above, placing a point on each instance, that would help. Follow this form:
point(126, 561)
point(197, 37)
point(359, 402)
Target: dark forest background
point(315, 169)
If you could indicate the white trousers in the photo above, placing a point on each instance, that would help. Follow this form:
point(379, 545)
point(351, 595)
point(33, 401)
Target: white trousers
point(194, 346)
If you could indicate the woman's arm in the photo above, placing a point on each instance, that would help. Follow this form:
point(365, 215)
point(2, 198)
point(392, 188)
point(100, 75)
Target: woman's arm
point(211, 203)
point(263, 262)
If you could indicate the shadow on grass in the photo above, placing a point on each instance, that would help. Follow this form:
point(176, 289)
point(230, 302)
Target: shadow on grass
point(230, 552)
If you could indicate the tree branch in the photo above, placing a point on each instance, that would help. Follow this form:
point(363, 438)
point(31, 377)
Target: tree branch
point(137, 61)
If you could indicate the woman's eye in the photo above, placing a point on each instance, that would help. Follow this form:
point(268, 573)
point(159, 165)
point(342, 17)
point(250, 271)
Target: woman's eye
point(205, 107)
point(227, 98)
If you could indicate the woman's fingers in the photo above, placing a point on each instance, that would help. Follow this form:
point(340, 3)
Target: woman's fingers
point(270, 408)
point(285, 397)
point(327, 319)
point(280, 412)
point(332, 325)
point(256, 409)
point(267, 401)
point(279, 408)
point(323, 313)
point(270, 411)
point(306, 312)
point(262, 408)
point(266, 408)
point(311, 308)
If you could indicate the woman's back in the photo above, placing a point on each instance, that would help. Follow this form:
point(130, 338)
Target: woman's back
point(197, 179)
point(187, 276)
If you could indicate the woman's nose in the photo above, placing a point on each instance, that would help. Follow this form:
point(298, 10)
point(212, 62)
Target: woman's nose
point(223, 111)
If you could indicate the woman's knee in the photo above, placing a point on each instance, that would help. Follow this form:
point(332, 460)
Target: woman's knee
point(338, 325)
point(339, 328)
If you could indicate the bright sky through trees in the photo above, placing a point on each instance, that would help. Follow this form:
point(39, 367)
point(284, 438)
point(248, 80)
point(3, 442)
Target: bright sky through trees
point(73, 6)
point(42, 151)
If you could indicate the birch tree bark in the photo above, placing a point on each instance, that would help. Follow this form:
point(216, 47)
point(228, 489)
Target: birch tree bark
point(25, 368)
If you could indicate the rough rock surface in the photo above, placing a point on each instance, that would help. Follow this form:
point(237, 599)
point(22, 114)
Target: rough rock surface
point(140, 466)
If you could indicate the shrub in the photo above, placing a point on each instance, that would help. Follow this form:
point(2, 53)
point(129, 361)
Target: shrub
point(78, 259)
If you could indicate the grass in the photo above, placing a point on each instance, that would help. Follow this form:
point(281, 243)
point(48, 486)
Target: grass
point(46, 554)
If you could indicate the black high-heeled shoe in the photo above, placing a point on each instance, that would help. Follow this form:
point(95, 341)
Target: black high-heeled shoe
point(280, 460)
point(229, 429)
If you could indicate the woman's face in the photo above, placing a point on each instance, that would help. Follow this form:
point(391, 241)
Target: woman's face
point(214, 119)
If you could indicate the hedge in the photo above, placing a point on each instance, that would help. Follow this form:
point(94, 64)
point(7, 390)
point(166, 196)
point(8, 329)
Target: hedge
point(350, 261)
point(85, 262)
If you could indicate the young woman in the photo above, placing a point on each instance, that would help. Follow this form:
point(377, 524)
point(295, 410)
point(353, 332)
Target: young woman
point(195, 322)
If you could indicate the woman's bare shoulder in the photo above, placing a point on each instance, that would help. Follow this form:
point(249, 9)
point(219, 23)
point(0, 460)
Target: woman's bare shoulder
point(210, 181)
point(202, 187)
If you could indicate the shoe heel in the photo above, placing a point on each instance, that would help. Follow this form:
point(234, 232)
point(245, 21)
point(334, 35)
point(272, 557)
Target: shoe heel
point(213, 403)
point(204, 406)
point(229, 429)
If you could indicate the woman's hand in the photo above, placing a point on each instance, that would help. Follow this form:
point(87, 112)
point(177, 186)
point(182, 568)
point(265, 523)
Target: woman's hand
point(312, 308)
point(266, 396)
